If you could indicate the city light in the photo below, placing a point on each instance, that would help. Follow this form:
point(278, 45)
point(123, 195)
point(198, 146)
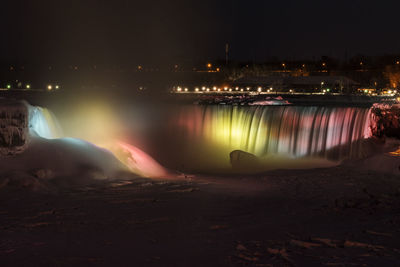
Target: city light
point(8, 86)
point(28, 86)
point(209, 65)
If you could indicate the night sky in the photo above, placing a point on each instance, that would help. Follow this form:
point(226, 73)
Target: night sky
point(168, 32)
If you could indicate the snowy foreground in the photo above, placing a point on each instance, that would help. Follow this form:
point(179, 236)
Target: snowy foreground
point(323, 217)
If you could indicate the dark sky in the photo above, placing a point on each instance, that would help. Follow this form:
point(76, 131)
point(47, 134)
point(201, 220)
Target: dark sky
point(169, 31)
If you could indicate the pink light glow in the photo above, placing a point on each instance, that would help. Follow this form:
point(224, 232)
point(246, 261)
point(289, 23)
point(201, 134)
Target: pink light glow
point(138, 161)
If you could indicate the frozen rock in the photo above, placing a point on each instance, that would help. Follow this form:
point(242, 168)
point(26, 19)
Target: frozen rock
point(13, 126)
point(241, 159)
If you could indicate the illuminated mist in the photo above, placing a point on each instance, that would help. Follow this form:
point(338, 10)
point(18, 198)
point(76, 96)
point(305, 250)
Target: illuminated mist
point(200, 138)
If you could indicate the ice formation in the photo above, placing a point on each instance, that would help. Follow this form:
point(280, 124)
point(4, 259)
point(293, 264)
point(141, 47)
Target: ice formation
point(39, 151)
point(13, 127)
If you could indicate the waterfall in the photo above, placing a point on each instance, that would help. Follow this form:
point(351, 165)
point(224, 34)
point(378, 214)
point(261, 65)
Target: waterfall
point(43, 123)
point(296, 131)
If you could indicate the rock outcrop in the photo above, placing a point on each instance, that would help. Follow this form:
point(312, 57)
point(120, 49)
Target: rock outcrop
point(240, 159)
point(385, 120)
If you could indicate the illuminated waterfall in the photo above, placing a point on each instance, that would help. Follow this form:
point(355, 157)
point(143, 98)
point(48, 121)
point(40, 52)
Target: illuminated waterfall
point(295, 131)
point(44, 123)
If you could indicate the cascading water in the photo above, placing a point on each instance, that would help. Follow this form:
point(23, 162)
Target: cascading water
point(43, 123)
point(295, 131)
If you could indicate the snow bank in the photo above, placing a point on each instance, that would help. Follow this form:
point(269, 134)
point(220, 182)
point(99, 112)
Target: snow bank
point(71, 161)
